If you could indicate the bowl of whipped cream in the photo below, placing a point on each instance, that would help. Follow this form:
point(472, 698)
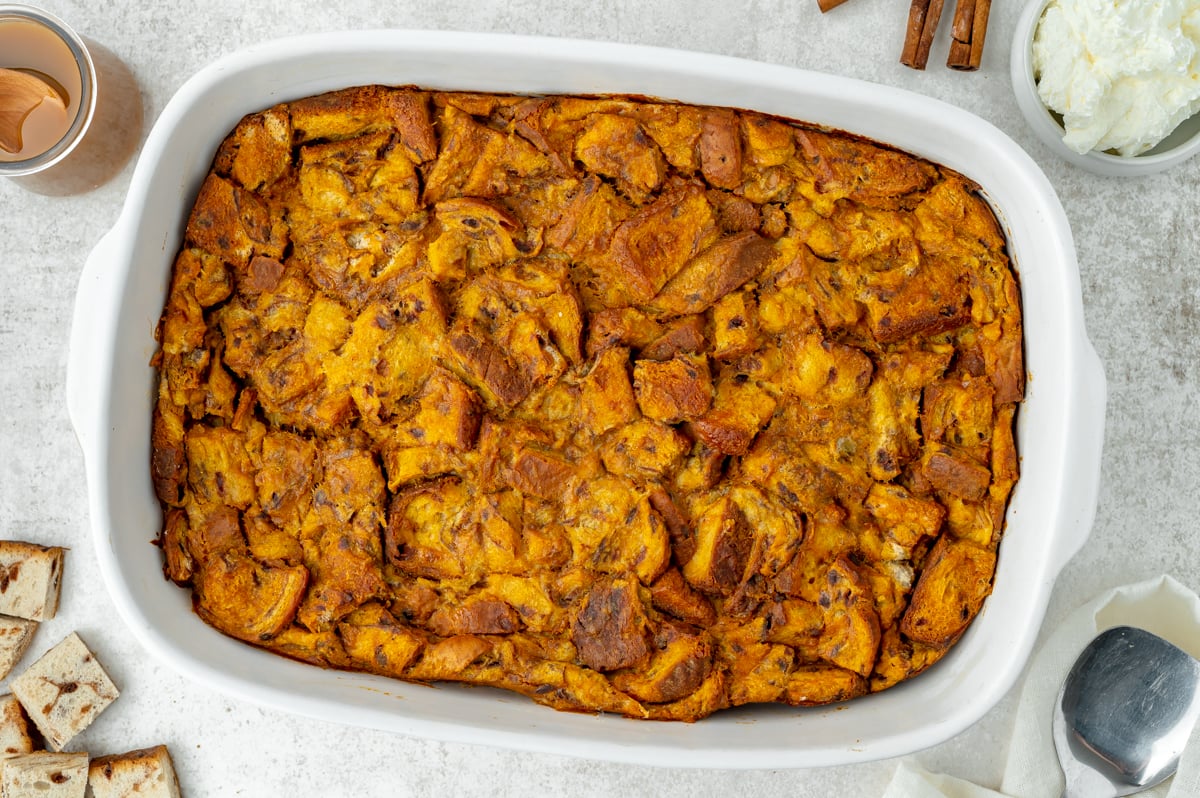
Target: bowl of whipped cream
point(1113, 88)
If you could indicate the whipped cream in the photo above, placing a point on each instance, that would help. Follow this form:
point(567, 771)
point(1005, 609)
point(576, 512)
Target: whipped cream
point(1122, 73)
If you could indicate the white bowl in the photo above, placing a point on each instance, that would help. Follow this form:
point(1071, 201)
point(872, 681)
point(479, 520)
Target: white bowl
point(111, 387)
point(1181, 144)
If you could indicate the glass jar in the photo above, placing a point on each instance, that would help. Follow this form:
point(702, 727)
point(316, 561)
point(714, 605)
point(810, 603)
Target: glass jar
point(105, 110)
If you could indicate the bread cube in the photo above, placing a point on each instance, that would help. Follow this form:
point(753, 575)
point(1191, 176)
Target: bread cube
point(14, 729)
point(722, 268)
point(447, 415)
point(679, 389)
point(955, 580)
point(607, 399)
point(724, 540)
point(486, 365)
point(648, 248)
point(146, 773)
point(30, 579)
point(681, 336)
point(644, 449)
point(735, 326)
point(739, 411)
point(15, 636)
point(541, 473)
point(64, 691)
point(46, 775)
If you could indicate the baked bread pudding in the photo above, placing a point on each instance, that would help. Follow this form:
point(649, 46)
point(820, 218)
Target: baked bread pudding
point(627, 406)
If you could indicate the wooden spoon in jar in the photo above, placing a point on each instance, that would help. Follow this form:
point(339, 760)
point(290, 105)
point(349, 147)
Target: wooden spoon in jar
point(21, 91)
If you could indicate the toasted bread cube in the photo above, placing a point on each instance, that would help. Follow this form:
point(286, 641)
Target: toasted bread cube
point(405, 464)
point(956, 579)
point(724, 267)
point(233, 223)
point(247, 599)
point(617, 147)
point(681, 336)
point(905, 518)
point(739, 411)
point(822, 369)
point(644, 449)
point(607, 394)
point(838, 163)
point(679, 389)
point(14, 729)
point(647, 249)
point(374, 638)
point(641, 546)
point(447, 659)
point(951, 469)
point(723, 544)
point(679, 665)
point(851, 634)
point(759, 673)
point(796, 623)
point(811, 685)
point(447, 415)
point(673, 595)
point(45, 775)
point(260, 148)
point(146, 773)
point(542, 473)
point(485, 364)
point(609, 627)
point(30, 579)
point(735, 326)
point(64, 691)
point(627, 327)
point(340, 114)
point(721, 148)
point(15, 636)
point(932, 301)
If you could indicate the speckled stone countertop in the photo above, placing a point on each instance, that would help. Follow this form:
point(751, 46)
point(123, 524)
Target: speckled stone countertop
point(1137, 241)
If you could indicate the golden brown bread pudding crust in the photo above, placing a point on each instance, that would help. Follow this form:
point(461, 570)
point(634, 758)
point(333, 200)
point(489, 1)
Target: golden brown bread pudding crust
point(627, 406)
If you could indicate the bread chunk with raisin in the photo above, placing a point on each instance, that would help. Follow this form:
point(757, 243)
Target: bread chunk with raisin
point(64, 691)
point(146, 772)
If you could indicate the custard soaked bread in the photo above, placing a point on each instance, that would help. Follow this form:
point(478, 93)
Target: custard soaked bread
point(626, 406)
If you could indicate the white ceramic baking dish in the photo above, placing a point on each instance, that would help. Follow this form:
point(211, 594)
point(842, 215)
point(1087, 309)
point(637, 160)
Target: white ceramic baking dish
point(110, 389)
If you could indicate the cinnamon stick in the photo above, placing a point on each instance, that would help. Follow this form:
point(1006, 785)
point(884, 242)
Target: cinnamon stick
point(923, 17)
point(960, 35)
point(983, 9)
point(826, 5)
point(968, 34)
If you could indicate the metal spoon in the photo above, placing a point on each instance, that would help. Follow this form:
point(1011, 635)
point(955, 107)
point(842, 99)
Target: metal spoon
point(1125, 713)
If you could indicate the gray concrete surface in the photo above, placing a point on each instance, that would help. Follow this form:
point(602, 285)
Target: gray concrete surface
point(1138, 242)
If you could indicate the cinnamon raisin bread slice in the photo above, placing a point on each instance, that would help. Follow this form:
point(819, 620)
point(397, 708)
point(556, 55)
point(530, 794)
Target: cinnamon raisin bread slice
point(64, 691)
point(145, 773)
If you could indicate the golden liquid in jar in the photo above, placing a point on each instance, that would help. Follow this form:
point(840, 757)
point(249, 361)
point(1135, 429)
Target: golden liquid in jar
point(29, 44)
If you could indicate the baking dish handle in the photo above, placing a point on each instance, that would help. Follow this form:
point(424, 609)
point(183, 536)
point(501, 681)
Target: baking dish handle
point(1086, 441)
point(87, 368)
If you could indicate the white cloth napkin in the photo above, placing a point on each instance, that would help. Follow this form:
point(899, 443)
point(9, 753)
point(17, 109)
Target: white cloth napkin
point(1160, 605)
